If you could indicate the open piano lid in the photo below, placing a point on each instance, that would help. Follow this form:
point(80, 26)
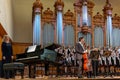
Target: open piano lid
point(53, 46)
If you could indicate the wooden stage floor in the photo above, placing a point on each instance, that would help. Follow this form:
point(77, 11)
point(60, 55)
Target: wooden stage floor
point(64, 78)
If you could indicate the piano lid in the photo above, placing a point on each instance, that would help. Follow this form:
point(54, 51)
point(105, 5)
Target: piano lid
point(48, 55)
point(53, 46)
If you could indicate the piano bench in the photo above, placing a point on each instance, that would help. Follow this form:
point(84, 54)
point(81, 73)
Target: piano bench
point(11, 68)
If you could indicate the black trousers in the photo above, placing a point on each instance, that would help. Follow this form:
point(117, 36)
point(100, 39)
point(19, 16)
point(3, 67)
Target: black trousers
point(95, 67)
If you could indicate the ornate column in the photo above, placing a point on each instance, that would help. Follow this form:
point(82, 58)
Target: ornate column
point(84, 28)
point(90, 13)
point(78, 14)
point(59, 16)
point(36, 21)
point(84, 13)
point(108, 22)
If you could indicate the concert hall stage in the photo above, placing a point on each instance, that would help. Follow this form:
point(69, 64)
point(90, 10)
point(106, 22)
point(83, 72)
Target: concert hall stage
point(65, 78)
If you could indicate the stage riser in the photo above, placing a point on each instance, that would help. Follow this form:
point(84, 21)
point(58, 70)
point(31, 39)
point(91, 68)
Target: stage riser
point(40, 70)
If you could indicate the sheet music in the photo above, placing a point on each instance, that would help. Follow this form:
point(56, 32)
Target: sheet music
point(31, 48)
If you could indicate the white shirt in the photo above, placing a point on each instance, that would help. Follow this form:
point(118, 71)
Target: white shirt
point(82, 46)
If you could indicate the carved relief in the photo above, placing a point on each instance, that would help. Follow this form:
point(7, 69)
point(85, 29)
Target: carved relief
point(107, 9)
point(36, 9)
point(59, 4)
point(69, 18)
point(48, 16)
point(98, 19)
point(37, 4)
point(116, 21)
point(90, 7)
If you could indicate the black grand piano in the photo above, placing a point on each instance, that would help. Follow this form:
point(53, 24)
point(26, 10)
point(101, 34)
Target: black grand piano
point(35, 54)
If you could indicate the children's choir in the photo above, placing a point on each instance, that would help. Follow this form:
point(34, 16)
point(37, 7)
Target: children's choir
point(100, 61)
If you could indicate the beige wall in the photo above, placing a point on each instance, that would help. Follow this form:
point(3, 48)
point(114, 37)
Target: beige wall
point(22, 15)
point(99, 5)
point(6, 16)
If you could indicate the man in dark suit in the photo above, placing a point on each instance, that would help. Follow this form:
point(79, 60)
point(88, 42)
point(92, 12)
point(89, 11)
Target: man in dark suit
point(79, 47)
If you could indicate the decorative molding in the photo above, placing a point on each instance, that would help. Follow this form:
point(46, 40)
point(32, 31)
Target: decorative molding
point(107, 9)
point(98, 19)
point(116, 21)
point(37, 8)
point(37, 4)
point(48, 16)
point(59, 4)
point(69, 18)
point(90, 5)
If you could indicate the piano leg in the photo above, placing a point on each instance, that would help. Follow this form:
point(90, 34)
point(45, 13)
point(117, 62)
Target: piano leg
point(22, 73)
point(58, 70)
point(32, 70)
point(29, 66)
point(46, 69)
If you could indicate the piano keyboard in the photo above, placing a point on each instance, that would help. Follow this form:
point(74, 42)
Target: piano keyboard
point(34, 57)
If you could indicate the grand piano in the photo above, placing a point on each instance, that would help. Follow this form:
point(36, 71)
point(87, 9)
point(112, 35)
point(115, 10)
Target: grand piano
point(35, 55)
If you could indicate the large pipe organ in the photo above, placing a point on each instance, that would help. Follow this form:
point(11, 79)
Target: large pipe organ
point(65, 28)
